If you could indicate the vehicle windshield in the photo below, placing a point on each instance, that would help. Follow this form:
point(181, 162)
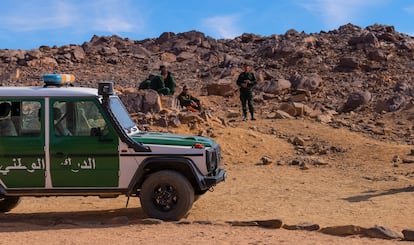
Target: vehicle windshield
point(122, 116)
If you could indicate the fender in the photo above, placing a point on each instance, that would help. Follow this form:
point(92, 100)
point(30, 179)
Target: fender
point(182, 165)
point(2, 190)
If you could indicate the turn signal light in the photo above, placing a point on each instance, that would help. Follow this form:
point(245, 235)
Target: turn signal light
point(198, 146)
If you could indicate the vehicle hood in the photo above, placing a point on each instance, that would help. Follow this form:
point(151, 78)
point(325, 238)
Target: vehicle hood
point(157, 138)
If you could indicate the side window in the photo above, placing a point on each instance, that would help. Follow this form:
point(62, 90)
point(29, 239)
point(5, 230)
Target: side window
point(61, 119)
point(30, 118)
point(20, 118)
point(78, 118)
point(7, 127)
point(89, 120)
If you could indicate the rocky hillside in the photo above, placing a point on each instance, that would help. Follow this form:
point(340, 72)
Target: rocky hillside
point(350, 77)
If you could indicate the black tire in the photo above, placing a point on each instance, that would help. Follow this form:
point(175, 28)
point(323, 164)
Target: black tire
point(196, 197)
point(166, 195)
point(8, 203)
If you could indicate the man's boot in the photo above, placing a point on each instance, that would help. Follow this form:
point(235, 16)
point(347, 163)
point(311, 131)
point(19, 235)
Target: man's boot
point(245, 117)
point(253, 118)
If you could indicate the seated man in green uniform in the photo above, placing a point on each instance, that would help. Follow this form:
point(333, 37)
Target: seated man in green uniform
point(169, 79)
point(146, 84)
point(164, 83)
point(188, 101)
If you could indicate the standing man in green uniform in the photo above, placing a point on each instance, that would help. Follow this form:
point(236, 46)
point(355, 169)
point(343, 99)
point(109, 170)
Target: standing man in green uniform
point(246, 81)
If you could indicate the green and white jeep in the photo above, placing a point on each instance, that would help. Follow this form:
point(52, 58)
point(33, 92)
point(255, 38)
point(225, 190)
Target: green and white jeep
point(70, 141)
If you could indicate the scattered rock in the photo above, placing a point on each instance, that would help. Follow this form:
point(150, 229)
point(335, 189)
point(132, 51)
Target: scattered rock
point(303, 166)
point(183, 222)
point(302, 226)
point(298, 141)
point(288, 108)
point(275, 87)
point(407, 161)
point(266, 160)
point(381, 232)
point(396, 159)
point(345, 230)
point(356, 100)
point(271, 223)
point(408, 235)
point(242, 223)
point(203, 222)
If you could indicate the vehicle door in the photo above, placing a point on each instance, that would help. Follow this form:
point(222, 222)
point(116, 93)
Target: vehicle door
point(22, 143)
point(83, 145)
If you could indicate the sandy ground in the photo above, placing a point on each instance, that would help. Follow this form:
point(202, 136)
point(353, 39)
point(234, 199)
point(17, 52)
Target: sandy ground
point(359, 186)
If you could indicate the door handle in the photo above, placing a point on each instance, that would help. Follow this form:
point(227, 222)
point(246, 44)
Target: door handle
point(106, 140)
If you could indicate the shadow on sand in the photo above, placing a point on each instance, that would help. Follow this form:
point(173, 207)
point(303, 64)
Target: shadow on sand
point(70, 220)
point(366, 197)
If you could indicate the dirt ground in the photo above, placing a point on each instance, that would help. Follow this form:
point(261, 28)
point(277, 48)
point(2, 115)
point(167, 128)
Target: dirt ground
point(358, 185)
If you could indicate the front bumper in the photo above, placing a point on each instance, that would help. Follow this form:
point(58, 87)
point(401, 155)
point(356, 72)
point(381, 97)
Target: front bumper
point(209, 181)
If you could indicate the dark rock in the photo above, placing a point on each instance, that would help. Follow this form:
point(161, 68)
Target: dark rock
point(175, 122)
point(78, 53)
point(266, 160)
point(356, 100)
point(271, 223)
point(348, 64)
point(366, 39)
point(142, 101)
point(310, 82)
point(203, 222)
point(302, 226)
point(288, 108)
point(242, 223)
point(345, 230)
point(407, 161)
point(279, 86)
point(298, 141)
point(381, 232)
point(408, 235)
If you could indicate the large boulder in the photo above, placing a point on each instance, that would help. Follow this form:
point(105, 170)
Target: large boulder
point(365, 40)
point(349, 63)
point(221, 88)
point(355, 100)
point(309, 82)
point(144, 101)
point(279, 86)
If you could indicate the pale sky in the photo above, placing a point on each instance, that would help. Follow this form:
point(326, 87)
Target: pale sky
point(28, 24)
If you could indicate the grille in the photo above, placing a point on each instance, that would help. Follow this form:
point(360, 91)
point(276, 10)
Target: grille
point(213, 158)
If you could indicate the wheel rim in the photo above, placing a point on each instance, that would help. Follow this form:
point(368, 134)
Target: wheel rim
point(165, 197)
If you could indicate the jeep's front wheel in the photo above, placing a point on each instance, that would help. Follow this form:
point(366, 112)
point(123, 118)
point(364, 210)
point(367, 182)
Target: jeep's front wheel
point(8, 203)
point(166, 195)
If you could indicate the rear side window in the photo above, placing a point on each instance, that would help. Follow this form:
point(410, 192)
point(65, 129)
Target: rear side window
point(20, 118)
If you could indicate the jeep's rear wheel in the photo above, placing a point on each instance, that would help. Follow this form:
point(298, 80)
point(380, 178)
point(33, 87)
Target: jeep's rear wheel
point(166, 195)
point(8, 203)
